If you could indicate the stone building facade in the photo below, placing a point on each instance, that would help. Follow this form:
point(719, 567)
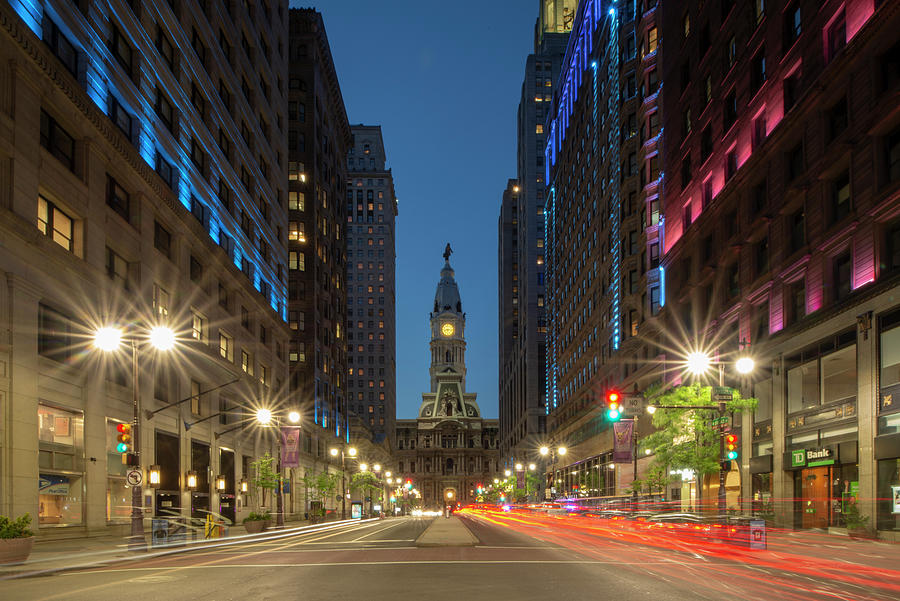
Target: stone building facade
point(449, 449)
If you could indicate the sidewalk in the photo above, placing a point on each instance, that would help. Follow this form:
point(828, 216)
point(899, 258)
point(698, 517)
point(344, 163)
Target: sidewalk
point(446, 532)
point(66, 554)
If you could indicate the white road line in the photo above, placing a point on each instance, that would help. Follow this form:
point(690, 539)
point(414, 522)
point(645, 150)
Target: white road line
point(376, 532)
point(377, 563)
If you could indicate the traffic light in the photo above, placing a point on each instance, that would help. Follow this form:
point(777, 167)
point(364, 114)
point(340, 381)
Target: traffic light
point(123, 441)
point(731, 447)
point(613, 406)
point(408, 484)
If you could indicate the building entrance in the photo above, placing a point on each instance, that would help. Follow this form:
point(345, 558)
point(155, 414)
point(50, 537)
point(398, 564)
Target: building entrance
point(814, 497)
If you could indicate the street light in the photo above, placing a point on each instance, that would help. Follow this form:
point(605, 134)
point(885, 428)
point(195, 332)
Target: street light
point(109, 339)
point(351, 451)
point(265, 417)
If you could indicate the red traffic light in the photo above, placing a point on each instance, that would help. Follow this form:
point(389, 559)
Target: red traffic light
point(612, 397)
point(124, 428)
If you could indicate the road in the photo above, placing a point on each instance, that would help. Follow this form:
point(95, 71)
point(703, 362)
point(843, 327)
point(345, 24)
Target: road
point(518, 557)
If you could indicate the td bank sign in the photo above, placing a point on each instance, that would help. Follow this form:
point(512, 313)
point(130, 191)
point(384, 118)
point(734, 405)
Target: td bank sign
point(812, 457)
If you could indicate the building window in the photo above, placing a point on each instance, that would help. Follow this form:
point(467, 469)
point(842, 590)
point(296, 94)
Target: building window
point(246, 362)
point(61, 465)
point(165, 170)
point(198, 46)
point(56, 338)
point(226, 346)
point(160, 301)
point(654, 300)
point(198, 327)
point(164, 110)
point(162, 239)
point(61, 47)
point(841, 276)
point(116, 268)
point(841, 202)
point(836, 118)
point(729, 111)
point(892, 156)
point(706, 143)
point(55, 224)
point(57, 141)
point(793, 25)
point(121, 117)
point(762, 256)
point(165, 48)
point(835, 36)
point(121, 50)
point(797, 296)
point(758, 71)
point(797, 230)
point(794, 160)
point(117, 198)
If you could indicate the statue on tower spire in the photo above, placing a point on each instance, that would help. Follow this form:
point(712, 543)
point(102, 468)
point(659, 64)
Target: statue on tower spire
point(447, 252)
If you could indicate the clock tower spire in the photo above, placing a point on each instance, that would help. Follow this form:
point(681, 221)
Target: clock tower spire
point(448, 323)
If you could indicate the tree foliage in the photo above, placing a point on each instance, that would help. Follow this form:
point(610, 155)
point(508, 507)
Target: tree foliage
point(685, 437)
point(265, 478)
point(366, 483)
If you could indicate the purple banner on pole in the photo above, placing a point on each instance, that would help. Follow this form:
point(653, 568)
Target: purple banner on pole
point(520, 479)
point(623, 433)
point(290, 446)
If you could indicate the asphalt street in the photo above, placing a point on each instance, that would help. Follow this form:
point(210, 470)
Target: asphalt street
point(515, 558)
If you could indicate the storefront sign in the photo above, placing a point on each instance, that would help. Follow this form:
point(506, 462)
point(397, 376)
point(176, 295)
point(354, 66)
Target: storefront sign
point(812, 457)
point(53, 485)
point(823, 456)
point(895, 502)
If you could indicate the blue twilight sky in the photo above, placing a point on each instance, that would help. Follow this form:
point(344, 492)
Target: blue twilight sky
point(443, 80)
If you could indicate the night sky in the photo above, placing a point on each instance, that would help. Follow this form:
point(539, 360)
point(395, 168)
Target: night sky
point(443, 80)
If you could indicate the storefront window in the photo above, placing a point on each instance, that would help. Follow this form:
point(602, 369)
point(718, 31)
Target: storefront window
point(762, 391)
point(61, 462)
point(888, 509)
point(839, 375)
point(762, 496)
point(889, 398)
point(118, 493)
point(803, 386)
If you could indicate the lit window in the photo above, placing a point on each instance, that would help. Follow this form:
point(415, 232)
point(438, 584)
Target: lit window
point(55, 224)
point(539, 128)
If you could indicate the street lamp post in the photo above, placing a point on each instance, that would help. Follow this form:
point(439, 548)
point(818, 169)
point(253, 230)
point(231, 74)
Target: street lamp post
point(265, 417)
point(352, 452)
point(698, 363)
point(108, 339)
point(547, 452)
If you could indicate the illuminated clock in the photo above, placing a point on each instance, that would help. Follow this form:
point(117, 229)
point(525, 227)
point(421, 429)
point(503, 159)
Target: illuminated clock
point(447, 329)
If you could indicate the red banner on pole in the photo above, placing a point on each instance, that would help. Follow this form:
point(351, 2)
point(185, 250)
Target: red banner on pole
point(290, 446)
point(623, 433)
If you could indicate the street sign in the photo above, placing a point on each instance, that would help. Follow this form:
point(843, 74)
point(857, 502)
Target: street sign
point(722, 393)
point(134, 477)
point(632, 404)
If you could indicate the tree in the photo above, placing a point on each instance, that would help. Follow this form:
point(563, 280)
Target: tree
point(367, 484)
point(685, 438)
point(265, 478)
point(320, 486)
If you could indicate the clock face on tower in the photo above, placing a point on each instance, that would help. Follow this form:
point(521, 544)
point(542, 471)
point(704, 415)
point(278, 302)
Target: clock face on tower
point(447, 329)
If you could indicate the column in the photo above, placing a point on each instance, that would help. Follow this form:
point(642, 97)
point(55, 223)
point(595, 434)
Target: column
point(782, 482)
point(866, 412)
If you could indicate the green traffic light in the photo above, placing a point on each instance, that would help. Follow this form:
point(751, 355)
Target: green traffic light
point(613, 415)
point(122, 447)
point(732, 455)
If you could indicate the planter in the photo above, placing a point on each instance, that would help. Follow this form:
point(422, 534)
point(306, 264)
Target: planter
point(861, 534)
point(15, 550)
point(256, 526)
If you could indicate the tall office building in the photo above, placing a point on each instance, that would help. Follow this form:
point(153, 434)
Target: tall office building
point(371, 294)
point(523, 322)
point(141, 183)
point(601, 248)
point(782, 241)
point(318, 140)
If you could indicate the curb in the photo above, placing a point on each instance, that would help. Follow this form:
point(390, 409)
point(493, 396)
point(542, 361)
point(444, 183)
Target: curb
point(439, 542)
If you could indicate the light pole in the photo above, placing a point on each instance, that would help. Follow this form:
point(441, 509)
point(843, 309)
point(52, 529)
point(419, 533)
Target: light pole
point(548, 452)
point(265, 417)
point(108, 339)
point(698, 363)
point(334, 453)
